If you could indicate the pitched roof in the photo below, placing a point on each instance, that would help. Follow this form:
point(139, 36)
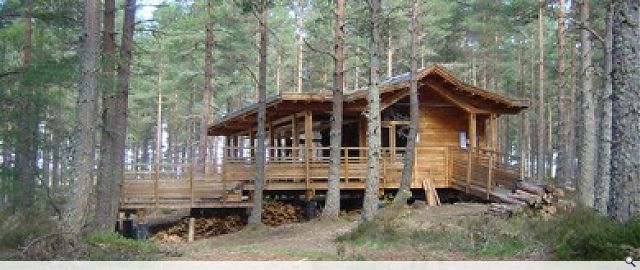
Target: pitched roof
point(433, 76)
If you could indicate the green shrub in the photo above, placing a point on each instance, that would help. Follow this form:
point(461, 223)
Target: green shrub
point(379, 230)
point(583, 234)
point(16, 230)
point(117, 241)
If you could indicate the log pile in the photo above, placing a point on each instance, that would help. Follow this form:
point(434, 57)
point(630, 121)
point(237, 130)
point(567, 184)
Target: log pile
point(541, 200)
point(279, 213)
point(204, 227)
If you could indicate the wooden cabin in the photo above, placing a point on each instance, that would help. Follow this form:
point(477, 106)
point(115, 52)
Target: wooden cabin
point(457, 146)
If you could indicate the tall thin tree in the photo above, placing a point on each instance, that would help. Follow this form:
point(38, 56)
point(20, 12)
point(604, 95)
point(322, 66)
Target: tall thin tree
point(370, 204)
point(603, 179)
point(540, 171)
point(205, 117)
point(77, 208)
point(587, 145)
point(256, 212)
point(332, 207)
point(407, 171)
point(625, 148)
point(562, 160)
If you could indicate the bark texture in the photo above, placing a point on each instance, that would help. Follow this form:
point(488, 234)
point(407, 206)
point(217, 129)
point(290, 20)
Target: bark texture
point(625, 154)
point(77, 208)
point(256, 212)
point(541, 127)
point(588, 144)
point(370, 204)
point(205, 118)
point(562, 161)
point(407, 171)
point(603, 179)
point(114, 114)
point(332, 207)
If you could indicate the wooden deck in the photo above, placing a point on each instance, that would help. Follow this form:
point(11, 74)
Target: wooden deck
point(229, 184)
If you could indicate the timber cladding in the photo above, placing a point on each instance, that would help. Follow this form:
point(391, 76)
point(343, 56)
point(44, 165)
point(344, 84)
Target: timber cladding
point(454, 117)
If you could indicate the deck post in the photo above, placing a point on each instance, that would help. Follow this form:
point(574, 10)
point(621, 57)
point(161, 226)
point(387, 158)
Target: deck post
point(449, 164)
point(490, 176)
point(308, 141)
point(252, 143)
point(384, 174)
point(494, 132)
point(191, 183)
point(346, 165)
point(473, 142)
point(392, 141)
point(295, 133)
point(468, 169)
point(192, 228)
point(362, 137)
point(272, 141)
point(156, 180)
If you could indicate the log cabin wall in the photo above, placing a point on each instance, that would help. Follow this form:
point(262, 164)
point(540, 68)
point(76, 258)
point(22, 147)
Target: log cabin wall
point(441, 123)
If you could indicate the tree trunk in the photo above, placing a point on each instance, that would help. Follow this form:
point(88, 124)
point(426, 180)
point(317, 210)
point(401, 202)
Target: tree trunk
point(208, 90)
point(587, 145)
point(603, 179)
point(370, 204)
point(407, 171)
point(562, 160)
point(77, 208)
point(256, 212)
point(541, 108)
point(26, 149)
point(332, 207)
point(572, 119)
point(107, 173)
point(485, 52)
point(299, 42)
point(389, 54)
point(625, 148)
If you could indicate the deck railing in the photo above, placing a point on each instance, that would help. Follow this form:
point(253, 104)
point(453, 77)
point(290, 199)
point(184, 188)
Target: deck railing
point(483, 169)
point(306, 168)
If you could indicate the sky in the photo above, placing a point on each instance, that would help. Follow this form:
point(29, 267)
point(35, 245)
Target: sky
point(145, 11)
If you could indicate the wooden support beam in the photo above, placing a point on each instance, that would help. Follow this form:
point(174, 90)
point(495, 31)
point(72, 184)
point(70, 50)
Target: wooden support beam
point(252, 144)
point(469, 164)
point(392, 141)
point(453, 99)
point(272, 140)
point(362, 136)
point(493, 122)
point(473, 143)
point(308, 142)
point(490, 176)
point(192, 229)
point(295, 133)
point(346, 165)
point(388, 101)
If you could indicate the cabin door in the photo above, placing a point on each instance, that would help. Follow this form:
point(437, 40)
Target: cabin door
point(394, 139)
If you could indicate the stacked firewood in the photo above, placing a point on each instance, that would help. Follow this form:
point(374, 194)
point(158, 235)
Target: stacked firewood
point(542, 200)
point(278, 213)
point(204, 227)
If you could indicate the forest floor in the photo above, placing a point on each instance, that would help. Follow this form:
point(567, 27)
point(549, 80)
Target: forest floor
point(410, 234)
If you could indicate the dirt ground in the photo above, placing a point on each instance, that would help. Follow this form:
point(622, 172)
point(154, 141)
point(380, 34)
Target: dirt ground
point(315, 240)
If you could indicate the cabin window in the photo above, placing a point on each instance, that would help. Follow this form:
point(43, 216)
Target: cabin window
point(463, 139)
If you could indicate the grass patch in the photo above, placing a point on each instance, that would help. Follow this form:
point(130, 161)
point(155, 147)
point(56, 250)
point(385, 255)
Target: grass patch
point(480, 237)
point(16, 230)
point(384, 230)
point(474, 236)
point(583, 234)
point(112, 246)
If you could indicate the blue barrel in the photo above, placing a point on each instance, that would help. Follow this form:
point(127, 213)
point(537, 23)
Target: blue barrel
point(311, 209)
